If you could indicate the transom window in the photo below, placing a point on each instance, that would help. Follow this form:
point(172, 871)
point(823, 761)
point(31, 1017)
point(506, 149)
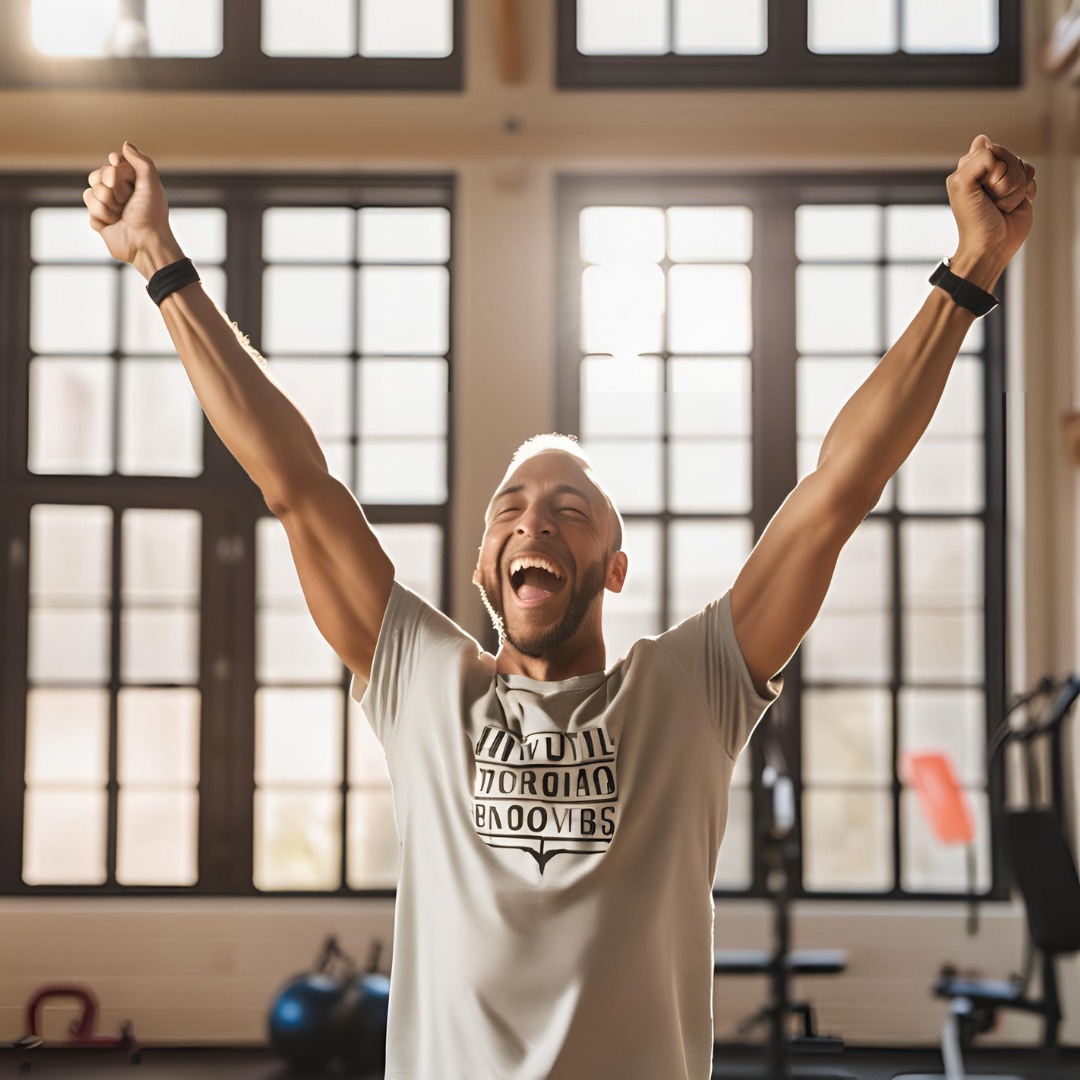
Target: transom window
point(803, 42)
point(714, 333)
point(244, 44)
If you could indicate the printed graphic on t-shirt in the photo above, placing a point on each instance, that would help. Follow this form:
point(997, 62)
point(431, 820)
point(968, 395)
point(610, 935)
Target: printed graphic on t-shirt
point(548, 793)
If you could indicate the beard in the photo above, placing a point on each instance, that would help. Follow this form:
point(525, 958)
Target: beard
point(538, 642)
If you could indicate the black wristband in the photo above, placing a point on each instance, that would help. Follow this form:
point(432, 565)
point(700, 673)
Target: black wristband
point(169, 278)
point(965, 293)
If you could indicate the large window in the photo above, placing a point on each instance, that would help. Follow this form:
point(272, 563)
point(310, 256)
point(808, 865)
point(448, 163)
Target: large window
point(241, 44)
point(672, 43)
point(711, 330)
point(173, 719)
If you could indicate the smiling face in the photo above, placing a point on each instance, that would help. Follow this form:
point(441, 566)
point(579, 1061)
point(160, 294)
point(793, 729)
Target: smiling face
point(547, 556)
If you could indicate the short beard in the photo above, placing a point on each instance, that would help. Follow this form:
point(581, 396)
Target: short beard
point(581, 597)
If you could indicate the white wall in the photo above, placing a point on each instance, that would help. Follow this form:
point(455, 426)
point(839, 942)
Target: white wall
point(203, 971)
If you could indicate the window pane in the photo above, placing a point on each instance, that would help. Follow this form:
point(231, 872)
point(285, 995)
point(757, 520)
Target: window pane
point(73, 310)
point(946, 721)
point(630, 471)
point(847, 838)
point(823, 387)
point(67, 737)
point(635, 612)
point(960, 26)
point(189, 29)
point(920, 232)
point(374, 849)
point(157, 838)
point(852, 26)
point(298, 736)
point(200, 232)
point(416, 552)
point(709, 396)
point(942, 474)
point(319, 234)
point(322, 390)
point(289, 648)
point(847, 736)
point(709, 476)
point(307, 310)
point(404, 397)
point(295, 28)
point(70, 554)
point(838, 232)
point(710, 233)
point(64, 837)
point(622, 396)
point(734, 866)
point(622, 309)
point(160, 556)
point(159, 645)
point(710, 309)
point(161, 420)
point(68, 646)
point(943, 646)
point(848, 646)
point(960, 410)
point(942, 563)
point(297, 839)
point(406, 28)
point(622, 26)
point(63, 235)
point(720, 26)
point(276, 580)
point(928, 865)
point(73, 27)
point(158, 737)
point(404, 235)
point(404, 310)
point(838, 309)
point(621, 234)
point(402, 470)
point(704, 559)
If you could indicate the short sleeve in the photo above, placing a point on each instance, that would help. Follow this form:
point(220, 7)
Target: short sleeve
point(706, 648)
point(414, 640)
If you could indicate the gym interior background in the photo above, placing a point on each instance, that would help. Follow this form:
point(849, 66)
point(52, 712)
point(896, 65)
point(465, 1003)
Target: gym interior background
point(419, 231)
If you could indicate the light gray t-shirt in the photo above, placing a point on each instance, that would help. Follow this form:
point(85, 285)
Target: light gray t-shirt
point(554, 915)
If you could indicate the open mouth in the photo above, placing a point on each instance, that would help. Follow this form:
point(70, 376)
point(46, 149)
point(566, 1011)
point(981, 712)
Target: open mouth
point(534, 579)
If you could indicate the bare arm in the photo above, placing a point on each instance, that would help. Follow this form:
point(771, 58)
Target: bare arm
point(780, 589)
point(345, 574)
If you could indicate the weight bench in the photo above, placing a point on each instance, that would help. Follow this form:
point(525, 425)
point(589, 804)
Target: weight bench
point(797, 962)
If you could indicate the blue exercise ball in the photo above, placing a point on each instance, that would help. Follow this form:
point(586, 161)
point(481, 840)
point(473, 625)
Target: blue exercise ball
point(362, 1015)
point(302, 1021)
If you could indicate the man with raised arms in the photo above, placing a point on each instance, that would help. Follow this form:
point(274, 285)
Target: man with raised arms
point(560, 816)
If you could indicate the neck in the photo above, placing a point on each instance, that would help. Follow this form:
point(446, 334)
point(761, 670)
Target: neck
point(564, 663)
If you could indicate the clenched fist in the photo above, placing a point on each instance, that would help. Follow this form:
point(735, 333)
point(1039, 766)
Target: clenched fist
point(128, 208)
point(990, 193)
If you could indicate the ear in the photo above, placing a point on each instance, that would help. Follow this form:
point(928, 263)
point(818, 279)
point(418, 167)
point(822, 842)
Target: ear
point(616, 574)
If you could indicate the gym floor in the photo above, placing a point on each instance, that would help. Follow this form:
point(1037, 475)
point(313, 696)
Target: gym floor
point(160, 1064)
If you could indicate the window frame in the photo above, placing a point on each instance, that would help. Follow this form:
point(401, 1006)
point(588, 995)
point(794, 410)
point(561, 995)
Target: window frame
point(788, 61)
point(774, 458)
point(241, 64)
point(230, 505)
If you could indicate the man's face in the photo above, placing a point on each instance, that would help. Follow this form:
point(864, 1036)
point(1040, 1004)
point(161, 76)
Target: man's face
point(548, 512)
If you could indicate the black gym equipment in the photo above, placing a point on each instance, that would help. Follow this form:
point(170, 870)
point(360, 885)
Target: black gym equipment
point(333, 1016)
point(781, 850)
point(1037, 850)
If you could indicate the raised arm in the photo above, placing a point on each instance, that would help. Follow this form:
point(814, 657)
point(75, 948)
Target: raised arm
point(781, 587)
point(345, 574)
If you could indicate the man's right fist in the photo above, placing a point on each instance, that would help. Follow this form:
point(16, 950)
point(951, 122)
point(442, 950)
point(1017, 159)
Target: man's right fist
point(128, 208)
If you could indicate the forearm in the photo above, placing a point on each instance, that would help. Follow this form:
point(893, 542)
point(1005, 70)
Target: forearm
point(883, 420)
point(255, 419)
